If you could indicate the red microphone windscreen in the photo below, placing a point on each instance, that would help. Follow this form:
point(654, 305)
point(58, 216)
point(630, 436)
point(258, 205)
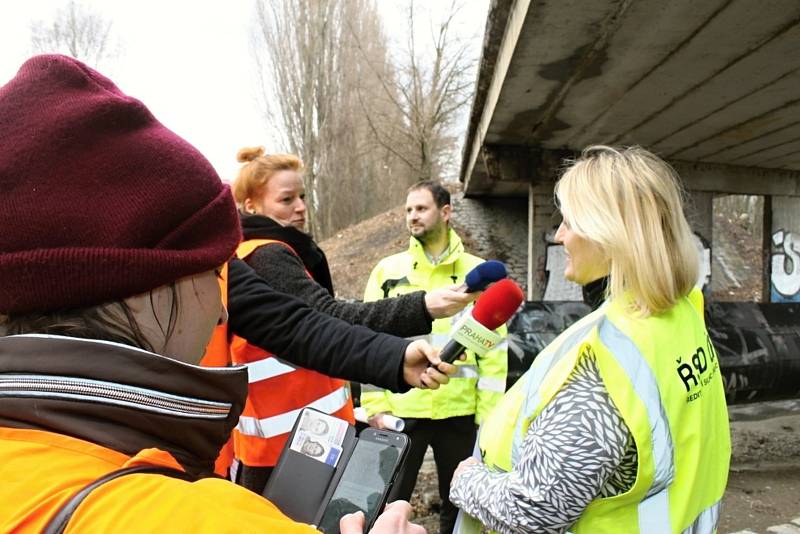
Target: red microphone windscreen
point(497, 304)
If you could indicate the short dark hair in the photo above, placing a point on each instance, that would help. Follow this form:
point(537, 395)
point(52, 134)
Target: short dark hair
point(441, 196)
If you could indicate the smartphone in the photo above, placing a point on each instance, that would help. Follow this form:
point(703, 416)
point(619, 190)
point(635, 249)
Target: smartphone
point(367, 478)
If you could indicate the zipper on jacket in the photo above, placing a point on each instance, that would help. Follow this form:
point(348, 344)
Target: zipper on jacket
point(85, 389)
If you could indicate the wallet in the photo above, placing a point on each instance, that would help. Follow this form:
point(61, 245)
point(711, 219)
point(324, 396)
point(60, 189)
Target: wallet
point(313, 461)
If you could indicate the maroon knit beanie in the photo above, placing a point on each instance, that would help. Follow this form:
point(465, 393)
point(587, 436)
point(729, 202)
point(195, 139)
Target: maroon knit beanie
point(98, 200)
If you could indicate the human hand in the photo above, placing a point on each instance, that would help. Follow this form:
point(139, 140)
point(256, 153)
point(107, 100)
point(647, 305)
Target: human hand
point(376, 421)
point(422, 367)
point(393, 520)
point(465, 464)
point(448, 301)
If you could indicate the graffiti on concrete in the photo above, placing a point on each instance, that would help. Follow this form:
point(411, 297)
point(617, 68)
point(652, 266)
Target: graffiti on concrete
point(758, 344)
point(785, 283)
point(704, 277)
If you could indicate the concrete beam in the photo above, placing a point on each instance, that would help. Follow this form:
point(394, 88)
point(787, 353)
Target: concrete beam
point(721, 178)
point(516, 18)
point(496, 20)
point(511, 163)
point(520, 164)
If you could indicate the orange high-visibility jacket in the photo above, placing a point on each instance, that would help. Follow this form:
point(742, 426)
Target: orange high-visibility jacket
point(277, 392)
point(218, 354)
point(40, 471)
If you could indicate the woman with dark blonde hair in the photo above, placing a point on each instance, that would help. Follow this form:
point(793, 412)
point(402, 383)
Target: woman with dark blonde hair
point(270, 195)
point(620, 425)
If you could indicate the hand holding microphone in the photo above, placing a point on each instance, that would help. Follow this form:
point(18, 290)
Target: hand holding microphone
point(448, 301)
point(475, 331)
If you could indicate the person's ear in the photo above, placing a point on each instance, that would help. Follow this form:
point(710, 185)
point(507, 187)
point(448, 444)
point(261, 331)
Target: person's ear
point(249, 206)
point(446, 210)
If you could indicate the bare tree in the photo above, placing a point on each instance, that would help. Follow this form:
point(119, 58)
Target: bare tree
point(311, 76)
point(366, 124)
point(293, 43)
point(78, 31)
point(432, 85)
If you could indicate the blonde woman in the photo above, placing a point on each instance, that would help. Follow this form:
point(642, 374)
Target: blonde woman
point(620, 425)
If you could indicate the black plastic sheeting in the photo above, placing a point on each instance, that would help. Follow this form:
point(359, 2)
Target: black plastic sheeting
point(758, 344)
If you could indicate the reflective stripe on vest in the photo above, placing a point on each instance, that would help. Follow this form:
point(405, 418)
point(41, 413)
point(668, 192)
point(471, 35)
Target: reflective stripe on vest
point(277, 392)
point(503, 345)
point(438, 340)
point(654, 509)
point(371, 387)
point(465, 371)
point(544, 362)
point(276, 425)
point(267, 368)
point(495, 385)
point(706, 522)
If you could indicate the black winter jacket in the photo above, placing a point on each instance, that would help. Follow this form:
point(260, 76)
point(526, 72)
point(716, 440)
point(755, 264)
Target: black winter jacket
point(282, 324)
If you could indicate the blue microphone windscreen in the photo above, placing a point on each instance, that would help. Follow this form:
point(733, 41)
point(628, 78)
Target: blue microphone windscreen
point(484, 274)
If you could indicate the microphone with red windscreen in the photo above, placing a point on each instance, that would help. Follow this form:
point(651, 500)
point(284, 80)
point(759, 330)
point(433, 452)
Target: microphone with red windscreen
point(475, 331)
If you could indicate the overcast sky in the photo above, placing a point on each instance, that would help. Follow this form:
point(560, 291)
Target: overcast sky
point(188, 61)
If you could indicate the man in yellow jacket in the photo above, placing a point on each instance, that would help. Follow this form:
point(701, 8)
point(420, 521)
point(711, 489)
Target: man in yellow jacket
point(444, 419)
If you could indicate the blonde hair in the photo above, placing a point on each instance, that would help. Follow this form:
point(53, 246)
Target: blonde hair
point(257, 171)
point(628, 201)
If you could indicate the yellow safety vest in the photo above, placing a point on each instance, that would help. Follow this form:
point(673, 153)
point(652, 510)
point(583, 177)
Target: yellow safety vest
point(663, 375)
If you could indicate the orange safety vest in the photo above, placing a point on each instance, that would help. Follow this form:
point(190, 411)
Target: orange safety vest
point(43, 470)
point(277, 392)
point(218, 354)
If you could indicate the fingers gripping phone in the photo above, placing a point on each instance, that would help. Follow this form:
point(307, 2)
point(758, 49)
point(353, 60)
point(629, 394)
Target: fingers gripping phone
point(367, 478)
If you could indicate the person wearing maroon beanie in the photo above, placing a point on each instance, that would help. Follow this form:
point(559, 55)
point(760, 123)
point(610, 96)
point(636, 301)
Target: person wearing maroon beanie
point(113, 229)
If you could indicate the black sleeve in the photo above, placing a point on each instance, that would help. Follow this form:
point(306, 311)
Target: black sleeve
point(404, 316)
point(284, 325)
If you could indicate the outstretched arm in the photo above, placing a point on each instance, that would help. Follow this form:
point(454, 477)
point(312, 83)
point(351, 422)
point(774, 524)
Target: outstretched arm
point(283, 324)
point(404, 315)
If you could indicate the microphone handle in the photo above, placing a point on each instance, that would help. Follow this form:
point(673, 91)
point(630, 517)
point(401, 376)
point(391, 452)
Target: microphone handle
point(451, 351)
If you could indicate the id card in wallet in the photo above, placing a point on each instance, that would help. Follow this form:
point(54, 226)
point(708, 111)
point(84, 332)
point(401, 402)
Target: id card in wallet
point(315, 482)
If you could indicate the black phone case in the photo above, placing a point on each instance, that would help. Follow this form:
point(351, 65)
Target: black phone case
point(301, 486)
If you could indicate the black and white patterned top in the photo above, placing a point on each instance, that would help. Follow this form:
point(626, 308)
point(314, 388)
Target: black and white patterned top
point(577, 449)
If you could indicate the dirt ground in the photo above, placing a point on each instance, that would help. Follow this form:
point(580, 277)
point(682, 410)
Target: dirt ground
point(764, 484)
point(353, 252)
